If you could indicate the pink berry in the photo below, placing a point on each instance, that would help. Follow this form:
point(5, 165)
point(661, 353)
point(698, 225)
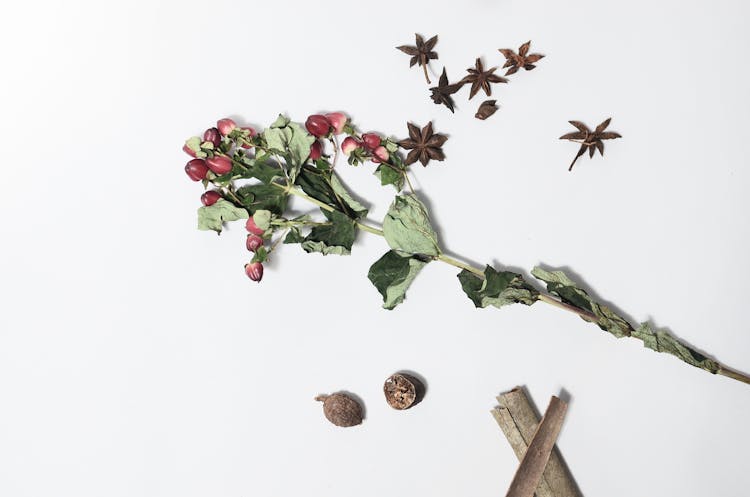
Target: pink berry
point(317, 125)
point(196, 169)
point(380, 154)
point(337, 120)
point(188, 151)
point(225, 126)
point(349, 145)
point(254, 271)
point(253, 242)
point(251, 133)
point(210, 197)
point(252, 227)
point(316, 150)
point(212, 135)
point(220, 164)
point(371, 141)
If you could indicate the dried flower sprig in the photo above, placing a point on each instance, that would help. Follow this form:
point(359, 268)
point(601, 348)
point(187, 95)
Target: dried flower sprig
point(280, 163)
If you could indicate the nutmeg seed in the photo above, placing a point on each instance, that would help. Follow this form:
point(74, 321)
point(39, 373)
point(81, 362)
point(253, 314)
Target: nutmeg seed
point(403, 391)
point(341, 409)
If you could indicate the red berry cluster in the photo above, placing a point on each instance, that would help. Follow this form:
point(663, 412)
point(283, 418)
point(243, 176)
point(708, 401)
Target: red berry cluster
point(254, 270)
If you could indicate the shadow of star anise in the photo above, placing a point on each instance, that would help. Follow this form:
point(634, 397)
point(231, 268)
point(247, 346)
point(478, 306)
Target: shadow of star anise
point(441, 94)
point(481, 79)
point(421, 53)
point(423, 145)
point(515, 61)
point(589, 140)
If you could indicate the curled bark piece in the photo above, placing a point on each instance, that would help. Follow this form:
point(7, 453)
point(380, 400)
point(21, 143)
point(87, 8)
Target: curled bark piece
point(531, 469)
point(518, 420)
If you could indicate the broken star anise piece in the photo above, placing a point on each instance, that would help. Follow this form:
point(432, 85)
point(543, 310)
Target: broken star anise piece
point(441, 94)
point(423, 145)
point(421, 53)
point(589, 140)
point(485, 110)
point(515, 61)
point(481, 79)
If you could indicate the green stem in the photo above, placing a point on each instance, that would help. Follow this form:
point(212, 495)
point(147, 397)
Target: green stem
point(735, 375)
point(453, 262)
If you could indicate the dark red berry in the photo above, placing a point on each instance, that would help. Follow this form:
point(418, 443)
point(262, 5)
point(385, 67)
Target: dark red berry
point(220, 164)
point(251, 132)
point(317, 125)
point(316, 150)
point(337, 120)
point(253, 242)
point(252, 227)
point(225, 126)
point(212, 135)
point(371, 141)
point(210, 197)
point(254, 271)
point(196, 169)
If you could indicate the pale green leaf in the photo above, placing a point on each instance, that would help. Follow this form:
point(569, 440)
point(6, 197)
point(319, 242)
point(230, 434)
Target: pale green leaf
point(407, 227)
point(392, 275)
point(213, 217)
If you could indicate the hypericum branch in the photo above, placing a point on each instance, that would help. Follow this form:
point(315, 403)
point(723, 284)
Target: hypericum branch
point(287, 160)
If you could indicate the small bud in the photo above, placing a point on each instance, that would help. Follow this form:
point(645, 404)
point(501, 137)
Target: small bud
point(316, 150)
point(196, 169)
point(380, 154)
point(253, 242)
point(188, 150)
point(371, 141)
point(251, 133)
point(212, 135)
point(220, 164)
point(210, 197)
point(337, 120)
point(225, 126)
point(252, 227)
point(349, 145)
point(254, 271)
point(317, 125)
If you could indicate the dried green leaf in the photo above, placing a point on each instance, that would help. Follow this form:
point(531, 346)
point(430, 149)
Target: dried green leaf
point(262, 197)
point(334, 238)
point(407, 227)
point(392, 275)
point(559, 284)
point(214, 216)
point(497, 288)
point(662, 341)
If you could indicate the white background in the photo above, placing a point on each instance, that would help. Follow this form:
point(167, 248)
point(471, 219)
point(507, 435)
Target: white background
point(136, 359)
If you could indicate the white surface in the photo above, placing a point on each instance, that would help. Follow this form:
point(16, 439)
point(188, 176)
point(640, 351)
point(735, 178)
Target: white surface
point(136, 359)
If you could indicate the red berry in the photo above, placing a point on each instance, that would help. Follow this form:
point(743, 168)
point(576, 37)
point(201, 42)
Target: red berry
point(225, 126)
point(220, 164)
point(253, 242)
point(337, 120)
point(188, 151)
point(380, 153)
point(251, 133)
point(349, 145)
point(317, 125)
point(254, 271)
point(196, 169)
point(316, 150)
point(252, 227)
point(212, 135)
point(371, 141)
point(210, 197)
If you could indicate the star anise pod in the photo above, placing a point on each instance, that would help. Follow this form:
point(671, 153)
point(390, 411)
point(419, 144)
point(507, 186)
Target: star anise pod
point(589, 140)
point(481, 79)
point(485, 110)
point(515, 61)
point(421, 53)
point(441, 94)
point(423, 145)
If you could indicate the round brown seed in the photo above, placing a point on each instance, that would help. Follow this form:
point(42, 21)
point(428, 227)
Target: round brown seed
point(403, 391)
point(341, 409)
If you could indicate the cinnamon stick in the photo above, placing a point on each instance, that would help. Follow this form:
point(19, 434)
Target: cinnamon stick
point(518, 420)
